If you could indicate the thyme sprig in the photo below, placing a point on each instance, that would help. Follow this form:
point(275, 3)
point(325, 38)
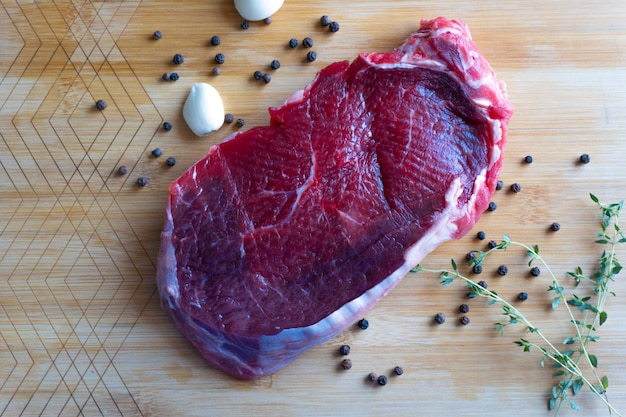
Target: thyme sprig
point(591, 312)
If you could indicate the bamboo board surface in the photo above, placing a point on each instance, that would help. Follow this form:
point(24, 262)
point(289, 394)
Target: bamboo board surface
point(81, 330)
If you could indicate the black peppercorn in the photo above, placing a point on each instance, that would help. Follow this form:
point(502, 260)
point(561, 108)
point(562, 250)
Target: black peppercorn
point(499, 185)
point(122, 170)
point(344, 350)
point(464, 308)
point(325, 20)
point(528, 159)
point(307, 42)
point(398, 370)
point(502, 270)
point(372, 376)
point(267, 78)
point(157, 34)
point(333, 27)
point(167, 126)
point(346, 364)
point(481, 235)
point(156, 152)
point(293, 43)
point(477, 269)
point(483, 284)
point(464, 320)
point(178, 59)
point(492, 206)
point(229, 118)
point(516, 188)
point(585, 159)
point(522, 296)
point(535, 271)
point(241, 122)
point(382, 380)
point(363, 324)
point(245, 25)
point(142, 181)
point(174, 76)
point(555, 227)
point(492, 244)
point(217, 71)
point(257, 75)
point(275, 64)
point(166, 76)
point(170, 161)
point(267, 20)
point(215, 40)
point(220, 58)
point(101, 104)
point(440, 318)
point(311, 56)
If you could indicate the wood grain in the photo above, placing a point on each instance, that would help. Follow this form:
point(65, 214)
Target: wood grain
point(81, 330)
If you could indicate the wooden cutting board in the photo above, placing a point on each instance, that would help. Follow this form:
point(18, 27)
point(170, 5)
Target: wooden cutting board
point(81, 330)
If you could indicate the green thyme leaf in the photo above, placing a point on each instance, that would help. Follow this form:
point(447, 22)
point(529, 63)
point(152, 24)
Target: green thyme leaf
point(616, 266)
point(454, 267)
point(447, 281)
point(577, 385)
point(551, 403)
point(574, 406)
point(445, 278)
point(569, 340)
point(575, 302)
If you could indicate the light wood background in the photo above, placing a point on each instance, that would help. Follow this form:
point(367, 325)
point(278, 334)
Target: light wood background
point(81, 330)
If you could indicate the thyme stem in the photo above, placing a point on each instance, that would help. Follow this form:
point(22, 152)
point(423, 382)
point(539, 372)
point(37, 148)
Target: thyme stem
point(561, 295)
point(568, 361)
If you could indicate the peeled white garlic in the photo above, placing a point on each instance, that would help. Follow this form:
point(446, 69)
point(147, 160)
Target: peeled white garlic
point(257, 9)
point(203, 110)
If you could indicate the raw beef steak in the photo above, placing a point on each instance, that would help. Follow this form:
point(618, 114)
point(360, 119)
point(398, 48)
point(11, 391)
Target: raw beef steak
point(284, 235)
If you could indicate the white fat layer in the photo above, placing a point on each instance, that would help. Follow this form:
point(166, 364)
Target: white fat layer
point(449, 29)
point(166, 275)
point(494, 155)
point(497, 131)
point(296, 97)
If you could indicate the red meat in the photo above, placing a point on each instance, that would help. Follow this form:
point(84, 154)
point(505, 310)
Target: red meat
point(284, 235)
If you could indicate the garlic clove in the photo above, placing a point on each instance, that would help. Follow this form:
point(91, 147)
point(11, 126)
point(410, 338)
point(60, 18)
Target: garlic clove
point(257, 9)
point(203, 110)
